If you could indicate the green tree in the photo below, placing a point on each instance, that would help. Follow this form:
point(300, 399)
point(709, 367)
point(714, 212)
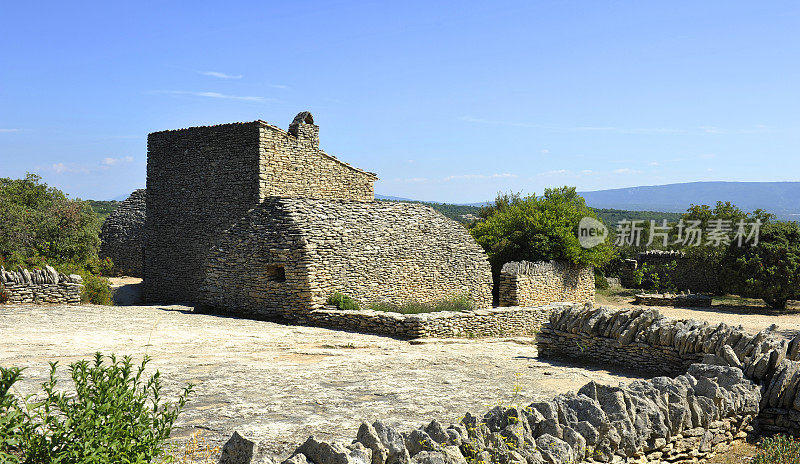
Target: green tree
point(769, 270)
point(537, 228)
point(40, 224)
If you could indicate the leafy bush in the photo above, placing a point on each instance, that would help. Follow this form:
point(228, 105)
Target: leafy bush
point(769, 270)
point(116, 415)
point(600, 282)
point(537, 229)
point(342, 301)
point(39, 223)
point(778, 450)
point(459, 303)
point(655, 277)
point(12, 419)
point(4, 296)
point(96, 290)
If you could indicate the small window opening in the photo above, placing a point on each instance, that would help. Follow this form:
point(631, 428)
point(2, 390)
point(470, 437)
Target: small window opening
point(276, 273)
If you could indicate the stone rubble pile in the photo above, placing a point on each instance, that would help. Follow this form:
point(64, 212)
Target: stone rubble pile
point(41, 286)
point(659, 420)
point(644, 340)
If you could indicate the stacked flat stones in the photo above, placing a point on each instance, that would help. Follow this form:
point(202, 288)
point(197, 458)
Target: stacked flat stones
point(202, 180)
point(40, 286)
point(374, 252)
point(684, 419)
point(644, 340)
point(526, 283)
point(494, 322)
point(122, 235)
point(690, 300)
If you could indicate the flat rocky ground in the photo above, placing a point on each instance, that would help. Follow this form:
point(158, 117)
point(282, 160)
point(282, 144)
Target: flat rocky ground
point(279, 384)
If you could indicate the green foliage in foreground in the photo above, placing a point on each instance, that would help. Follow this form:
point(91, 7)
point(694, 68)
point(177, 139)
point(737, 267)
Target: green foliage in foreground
point(116, 415)
point(459, 303)
point(778, 450)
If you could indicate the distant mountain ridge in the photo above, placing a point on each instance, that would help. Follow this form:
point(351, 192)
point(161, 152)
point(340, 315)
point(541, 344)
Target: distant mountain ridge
point(779, 198)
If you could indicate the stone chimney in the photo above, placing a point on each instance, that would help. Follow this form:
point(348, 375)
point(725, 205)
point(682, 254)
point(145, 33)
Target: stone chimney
point(304, 129)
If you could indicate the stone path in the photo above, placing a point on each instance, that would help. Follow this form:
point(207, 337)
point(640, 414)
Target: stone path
point(279, 384)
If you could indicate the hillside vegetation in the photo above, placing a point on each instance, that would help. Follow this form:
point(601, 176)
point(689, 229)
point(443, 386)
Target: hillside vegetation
point(40, 225)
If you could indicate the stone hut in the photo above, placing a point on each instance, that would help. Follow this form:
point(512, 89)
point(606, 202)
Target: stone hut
point(252, 218)
point(294, 253)
point(122, 235)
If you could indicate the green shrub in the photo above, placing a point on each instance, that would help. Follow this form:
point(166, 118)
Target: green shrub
point(459, 303)
point(769, 270)
point(4, 296)
point(600, 282)
point(40, 223)
point(655, 277)
point(96, 290)
point(115, 415)
point(778, 450)
point(342, 301)
point(537, 228)
point(12, 419)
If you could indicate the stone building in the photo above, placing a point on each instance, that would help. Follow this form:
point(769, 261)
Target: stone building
point(251, 218)
point(122, 235)
point(294, 253)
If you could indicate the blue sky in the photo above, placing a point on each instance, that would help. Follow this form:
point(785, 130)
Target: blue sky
point(448, 101)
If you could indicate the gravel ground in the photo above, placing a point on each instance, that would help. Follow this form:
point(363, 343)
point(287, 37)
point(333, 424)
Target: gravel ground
point(279, 384)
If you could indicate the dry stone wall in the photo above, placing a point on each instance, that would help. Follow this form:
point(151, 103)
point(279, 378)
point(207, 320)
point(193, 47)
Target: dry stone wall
point(202, 180)
point(40, 286)
point(494, 322)
point(684, 419)
point(525, 283)
point(122, 235)
point(644, 340)
point(290, 255)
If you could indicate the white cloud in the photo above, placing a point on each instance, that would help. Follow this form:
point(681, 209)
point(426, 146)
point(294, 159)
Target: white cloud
point(545, 151)
point(220, 75)
point(555, 172)
point(279, 86)
point(214, 95)
point(626, 171)
point(504, 175)
point(654, 163)
point(5, 131)
point(113, 161)
point(708, 156)
point(61, 168)
point(586, 171)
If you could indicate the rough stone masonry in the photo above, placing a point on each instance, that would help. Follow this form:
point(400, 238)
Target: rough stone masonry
point(122, 235)
point(248, 216)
